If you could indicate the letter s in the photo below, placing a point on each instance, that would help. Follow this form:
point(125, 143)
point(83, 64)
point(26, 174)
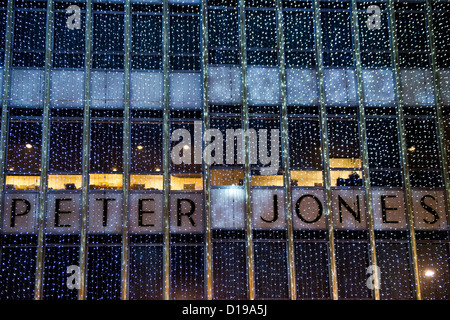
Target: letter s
point(429, 209)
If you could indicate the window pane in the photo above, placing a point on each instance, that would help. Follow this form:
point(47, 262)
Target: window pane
point(24, 146)
point(421, 140)
point(108, 32)
point(106, 146)
point(184, 34)
point(18, 267)
point(57, 259)
point(382, 136)
point(304, 144)
point(298, 30)
point(146, 273)
point(146, 146)
point(187, 272)
point(434, 272)
point(223, 28)
point(352, 260)
point(343, 137)
point(261, 29)
point(229, 270)
point(66, 143)
point(29, 38)
point(103, 273)
point(147, 36)
point(396, 277)
point(311, 268)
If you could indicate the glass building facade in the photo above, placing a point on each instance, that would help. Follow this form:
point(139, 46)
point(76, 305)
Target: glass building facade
point(110, 106)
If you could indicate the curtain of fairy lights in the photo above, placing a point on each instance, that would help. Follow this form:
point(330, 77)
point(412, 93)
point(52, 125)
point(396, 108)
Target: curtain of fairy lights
point(441, 10)
point(62, 219)
point(62, 229)
point(267, 196)
point(227, 193)
point(23, 152)
point(105, 197)
point(105, 200)
point(270, 245)
point(186, 197)
point(146, 253)
point(344, 150)
point(229, 246)
point(20, 238)
point(310, 235)
point(422, 140)
point(3, 12)
point(411, 94)
point(384, 167)
point(437, 288)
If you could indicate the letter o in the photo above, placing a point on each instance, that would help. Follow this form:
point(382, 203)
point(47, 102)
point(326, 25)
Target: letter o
point(297, 208)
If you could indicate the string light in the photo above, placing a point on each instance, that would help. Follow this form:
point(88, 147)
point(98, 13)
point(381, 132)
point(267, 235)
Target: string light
point(429, 273)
